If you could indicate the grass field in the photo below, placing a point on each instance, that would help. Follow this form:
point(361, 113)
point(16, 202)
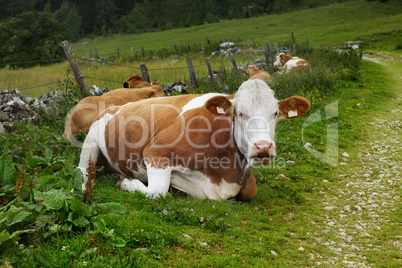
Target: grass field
point(377, 24)
point(307, 213)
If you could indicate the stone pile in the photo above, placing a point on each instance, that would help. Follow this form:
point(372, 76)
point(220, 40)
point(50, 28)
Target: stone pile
point(15, 106)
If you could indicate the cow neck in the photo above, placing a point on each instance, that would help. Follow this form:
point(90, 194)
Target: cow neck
point(241, 160)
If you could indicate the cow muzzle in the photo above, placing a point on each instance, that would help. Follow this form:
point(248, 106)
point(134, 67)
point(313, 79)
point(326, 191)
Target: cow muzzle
point(263, 152)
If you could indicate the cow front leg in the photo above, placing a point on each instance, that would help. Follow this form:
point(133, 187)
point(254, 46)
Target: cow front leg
point(90, 151)
point(158, 183)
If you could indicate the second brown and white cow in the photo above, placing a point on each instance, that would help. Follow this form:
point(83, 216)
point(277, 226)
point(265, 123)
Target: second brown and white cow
point(202, 144)
point(136, 81)
point(254, 72)
point(87, 109)
point(286, 63)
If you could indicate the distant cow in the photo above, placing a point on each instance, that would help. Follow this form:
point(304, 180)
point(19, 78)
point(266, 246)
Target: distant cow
point(87, 109)
point(253, 72)
point(136, 81)
point(201, 144)
point(287, 63)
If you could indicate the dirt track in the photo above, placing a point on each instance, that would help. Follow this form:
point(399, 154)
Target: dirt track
point(360, 221)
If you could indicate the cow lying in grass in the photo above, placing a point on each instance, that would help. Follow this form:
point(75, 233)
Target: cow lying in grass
point(201, 144)
point(253, 72)
point(136, 81)
point(87, 109)
point(287, 63)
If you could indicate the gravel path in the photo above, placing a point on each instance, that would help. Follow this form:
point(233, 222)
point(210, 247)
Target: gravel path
point(359, 209)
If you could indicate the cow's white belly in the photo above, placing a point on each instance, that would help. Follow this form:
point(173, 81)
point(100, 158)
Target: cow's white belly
point(200, 186)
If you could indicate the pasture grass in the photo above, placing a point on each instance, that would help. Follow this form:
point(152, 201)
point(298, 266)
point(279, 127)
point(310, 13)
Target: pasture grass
point(181, 231)
point(377, 24)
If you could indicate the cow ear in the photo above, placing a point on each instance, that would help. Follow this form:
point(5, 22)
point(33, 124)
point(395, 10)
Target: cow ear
point(259, 67)
point(155, 83)
point(293, 107)
point(125, 85)
point(246, 72)
point(282, 56)
point(219, 105)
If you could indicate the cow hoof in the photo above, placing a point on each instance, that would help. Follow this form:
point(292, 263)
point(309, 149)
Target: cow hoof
point(119, 183)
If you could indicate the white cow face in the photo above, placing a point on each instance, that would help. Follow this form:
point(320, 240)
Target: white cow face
point(255, 115)
point(278, 63)
point(256, 112)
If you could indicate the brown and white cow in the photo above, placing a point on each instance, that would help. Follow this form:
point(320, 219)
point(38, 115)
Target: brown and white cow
point(286, 63)
point(87, 109)
point(136, 81)
point(254, 72)
point(203, 144)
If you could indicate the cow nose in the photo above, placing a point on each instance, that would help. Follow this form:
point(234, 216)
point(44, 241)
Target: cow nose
point(264, 148)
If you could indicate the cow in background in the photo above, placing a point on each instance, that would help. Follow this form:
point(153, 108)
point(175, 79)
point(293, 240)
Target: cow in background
point(88, 108)
point(254, 72)
point(201, 144)
point(136, 81)
point(286, 63)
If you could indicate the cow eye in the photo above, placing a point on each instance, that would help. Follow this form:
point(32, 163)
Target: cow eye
point(276, 114)
point(240, 115)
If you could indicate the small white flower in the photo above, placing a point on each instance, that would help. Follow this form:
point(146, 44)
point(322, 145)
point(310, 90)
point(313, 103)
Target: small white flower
point(85, 263)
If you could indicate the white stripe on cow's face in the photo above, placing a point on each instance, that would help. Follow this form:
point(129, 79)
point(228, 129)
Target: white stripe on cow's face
point(198, 102)
point(256, 113)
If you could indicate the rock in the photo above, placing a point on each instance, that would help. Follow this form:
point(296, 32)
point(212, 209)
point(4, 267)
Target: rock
point(274, 253)
point(307, 144)
point(301, 249)
point(290, 162)
point(96, 91)
point(345, 154)
point(2, 131)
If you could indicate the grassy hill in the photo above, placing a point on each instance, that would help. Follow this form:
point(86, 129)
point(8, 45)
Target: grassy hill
point(377, 24)
point(330, 25)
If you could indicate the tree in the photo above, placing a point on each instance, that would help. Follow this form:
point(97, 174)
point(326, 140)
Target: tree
point(30, 37)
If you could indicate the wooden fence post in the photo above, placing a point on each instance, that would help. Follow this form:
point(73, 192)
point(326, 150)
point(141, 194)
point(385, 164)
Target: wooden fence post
point(294, 43)
point(143, 52)
point(96, 51)
point(211, 72)
point(189, 48)
point(255, 45)
point(193, 76)
point(74, 67)
point(144, 72)
point(233, 62)
point(175, 47)
point(90, 51)
point(208, 41)
point(268, 53)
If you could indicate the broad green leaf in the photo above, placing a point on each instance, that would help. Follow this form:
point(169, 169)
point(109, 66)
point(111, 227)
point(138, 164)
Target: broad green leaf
point(80, 221)
point(77, 205)
point(113, 208)
point(48, 154)
point(4, 235)
point(17, 233)
point(52, 199)
point(76, 180)
point(16, 215)
point(6, 169)
point(119, 242)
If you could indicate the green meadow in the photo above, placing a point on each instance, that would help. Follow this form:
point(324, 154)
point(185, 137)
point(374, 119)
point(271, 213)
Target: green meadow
point(304, 205)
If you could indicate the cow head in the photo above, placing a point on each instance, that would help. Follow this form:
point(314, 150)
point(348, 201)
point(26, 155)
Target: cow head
point(136, 81)
point(256, 112)
point(281, 59)
point(252, 70)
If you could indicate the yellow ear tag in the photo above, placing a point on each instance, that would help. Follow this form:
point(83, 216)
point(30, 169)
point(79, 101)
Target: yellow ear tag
point(292, 114)
point(220, 110)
